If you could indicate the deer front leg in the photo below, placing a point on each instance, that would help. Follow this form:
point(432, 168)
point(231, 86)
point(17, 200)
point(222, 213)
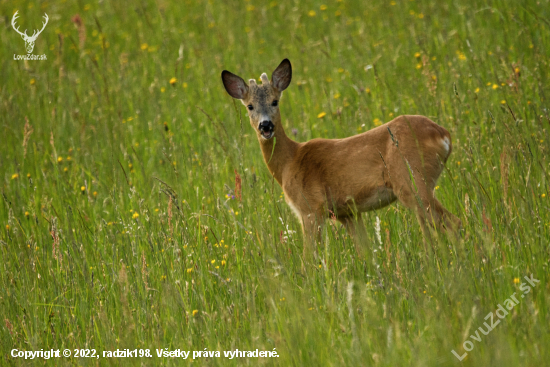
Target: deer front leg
point(312, 225)
point(356, 228)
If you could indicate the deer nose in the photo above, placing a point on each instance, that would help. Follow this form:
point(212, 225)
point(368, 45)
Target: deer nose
point(266, 126)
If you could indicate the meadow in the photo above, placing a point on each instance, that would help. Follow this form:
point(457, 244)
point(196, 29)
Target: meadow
point(137, 211)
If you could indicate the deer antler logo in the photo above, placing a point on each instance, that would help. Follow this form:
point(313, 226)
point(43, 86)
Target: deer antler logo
point(29, 40)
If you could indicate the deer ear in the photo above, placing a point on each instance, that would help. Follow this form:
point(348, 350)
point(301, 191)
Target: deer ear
point(234, 85)
point(282, 76)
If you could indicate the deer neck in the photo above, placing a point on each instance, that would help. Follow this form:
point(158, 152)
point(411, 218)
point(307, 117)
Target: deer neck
point(278, 152)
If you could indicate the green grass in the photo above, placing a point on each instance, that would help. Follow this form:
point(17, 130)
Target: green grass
point(114, 216)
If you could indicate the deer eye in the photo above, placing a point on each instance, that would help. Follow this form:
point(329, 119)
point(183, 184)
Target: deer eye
point(275, 103)
point(250, 107)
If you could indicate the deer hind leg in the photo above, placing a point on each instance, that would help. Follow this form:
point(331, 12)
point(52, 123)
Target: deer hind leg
point(419, 197)
point(356, 228)
point(450, 222)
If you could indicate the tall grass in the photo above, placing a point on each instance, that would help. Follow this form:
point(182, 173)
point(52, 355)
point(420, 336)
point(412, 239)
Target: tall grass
point(119, 222)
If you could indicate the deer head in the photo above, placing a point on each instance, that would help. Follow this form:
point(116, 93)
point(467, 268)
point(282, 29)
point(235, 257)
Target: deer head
point(261, 100)
point(29, 40)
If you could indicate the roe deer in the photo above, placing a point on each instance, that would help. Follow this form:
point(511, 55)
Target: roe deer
point(400, 160)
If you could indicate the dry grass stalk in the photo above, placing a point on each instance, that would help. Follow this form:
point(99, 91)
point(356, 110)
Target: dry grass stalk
point(387, 247)
point(56, 253)
point(504, 171)
point(170, 216)
point(144, 273)
point(77, 20)
point(26, 135)
point(238, 182)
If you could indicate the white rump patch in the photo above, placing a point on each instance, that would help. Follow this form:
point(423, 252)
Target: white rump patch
point(265, 79)
point(446, 144)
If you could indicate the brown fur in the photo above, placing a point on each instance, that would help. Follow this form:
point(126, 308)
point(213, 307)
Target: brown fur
point(351, 175)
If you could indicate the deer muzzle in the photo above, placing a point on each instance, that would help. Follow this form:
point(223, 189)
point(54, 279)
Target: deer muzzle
point(266, 129)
